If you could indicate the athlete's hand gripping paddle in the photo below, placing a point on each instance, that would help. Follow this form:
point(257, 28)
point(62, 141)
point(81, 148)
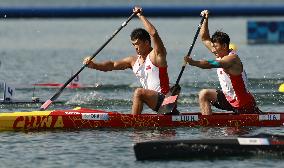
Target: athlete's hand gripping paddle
point(170, 101)
point(56, 95)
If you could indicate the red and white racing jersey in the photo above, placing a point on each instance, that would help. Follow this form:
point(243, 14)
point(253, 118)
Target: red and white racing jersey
point(152, 77)
point(235, 88)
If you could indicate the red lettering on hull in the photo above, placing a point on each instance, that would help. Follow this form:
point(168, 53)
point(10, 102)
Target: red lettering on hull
point(36, 122)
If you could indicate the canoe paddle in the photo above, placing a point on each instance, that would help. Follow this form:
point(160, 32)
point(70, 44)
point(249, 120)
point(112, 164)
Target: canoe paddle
point(56, 95)
point(169, 102)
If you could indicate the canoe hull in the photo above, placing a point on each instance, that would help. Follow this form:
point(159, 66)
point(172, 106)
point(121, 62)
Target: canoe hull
point(89, 118)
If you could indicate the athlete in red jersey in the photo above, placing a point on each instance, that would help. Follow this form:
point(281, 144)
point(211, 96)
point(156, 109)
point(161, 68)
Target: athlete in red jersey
point(232, 76)
point(149, 64)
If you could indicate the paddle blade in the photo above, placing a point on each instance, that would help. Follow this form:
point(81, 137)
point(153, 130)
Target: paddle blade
point(45, 105)
point(168, 105)
point(169, 100)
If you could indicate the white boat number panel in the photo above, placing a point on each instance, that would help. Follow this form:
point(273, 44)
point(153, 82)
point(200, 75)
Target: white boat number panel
point(253, 141)
point(264, 117)
point(95, 116)
point(185, 118)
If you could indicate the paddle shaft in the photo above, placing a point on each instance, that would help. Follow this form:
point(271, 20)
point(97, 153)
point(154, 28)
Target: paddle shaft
point(57, 94)
point(189, 52)
point(169, 103)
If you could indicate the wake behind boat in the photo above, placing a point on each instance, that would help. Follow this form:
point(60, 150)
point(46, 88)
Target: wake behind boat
point(70, 86)
point(83, 118)
point(31, 101)
point(8, 91)
point(75, 84)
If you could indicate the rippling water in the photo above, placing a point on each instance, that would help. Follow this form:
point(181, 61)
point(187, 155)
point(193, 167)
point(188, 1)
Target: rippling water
point(37, 51)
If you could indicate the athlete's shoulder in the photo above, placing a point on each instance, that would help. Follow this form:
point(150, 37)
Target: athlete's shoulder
point(230, 57)
point(131, 59)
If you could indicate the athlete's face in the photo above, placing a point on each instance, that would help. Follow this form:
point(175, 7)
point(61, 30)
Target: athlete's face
point(220, 50)
point(140, 46)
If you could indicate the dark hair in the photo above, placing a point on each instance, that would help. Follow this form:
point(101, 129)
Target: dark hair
point(140, 34)
point(220, 37)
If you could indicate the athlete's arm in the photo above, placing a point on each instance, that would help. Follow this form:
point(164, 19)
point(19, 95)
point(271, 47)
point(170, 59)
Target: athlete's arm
point(204, 64)
point(226, 62)
point(158, 46)
point(204, 31)
point(110, 65)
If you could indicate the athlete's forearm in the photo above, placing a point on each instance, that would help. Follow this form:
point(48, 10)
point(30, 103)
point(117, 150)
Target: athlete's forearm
point(204, 31)
point(202, 64)
point(104, 66)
